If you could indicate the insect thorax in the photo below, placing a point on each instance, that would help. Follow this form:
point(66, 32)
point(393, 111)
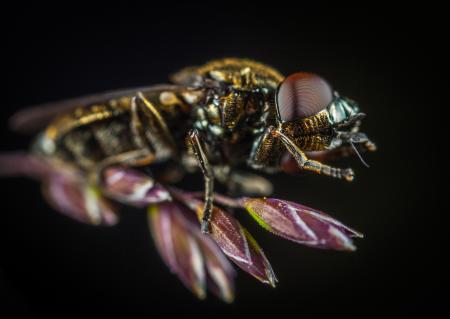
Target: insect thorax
point(238, 101)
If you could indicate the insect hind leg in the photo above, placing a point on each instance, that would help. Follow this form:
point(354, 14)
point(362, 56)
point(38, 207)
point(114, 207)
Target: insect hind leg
point(134, 158)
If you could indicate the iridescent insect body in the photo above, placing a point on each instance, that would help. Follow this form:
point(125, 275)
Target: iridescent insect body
point(225, 113)
point(219, 117)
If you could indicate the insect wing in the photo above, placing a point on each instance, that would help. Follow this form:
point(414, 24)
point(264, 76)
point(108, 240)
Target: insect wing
point(33, 119)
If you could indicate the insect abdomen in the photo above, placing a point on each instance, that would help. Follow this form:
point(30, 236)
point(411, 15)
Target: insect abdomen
point(101, 140)
point(89, 134)
point(87, 145)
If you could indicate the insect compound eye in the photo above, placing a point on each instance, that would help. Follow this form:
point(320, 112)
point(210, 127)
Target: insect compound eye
point(303, 94)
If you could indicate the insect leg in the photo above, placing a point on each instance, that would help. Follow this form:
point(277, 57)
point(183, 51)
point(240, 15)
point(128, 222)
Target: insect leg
point(144, 154)
point(311, 165)
point(132, 158)
point(196, 143)
point(242, 183)
point(143, 111)
point(266, 151)
point(249, 184)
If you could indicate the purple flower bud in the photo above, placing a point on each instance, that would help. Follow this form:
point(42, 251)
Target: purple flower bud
point(240, 247)
point(235, 241)
point(23, 164)
point(178, 246)
point(130, 186)
point(220, 273)
point(300, 223)
point(194, 257)
point(73, 197)
point(64, 187)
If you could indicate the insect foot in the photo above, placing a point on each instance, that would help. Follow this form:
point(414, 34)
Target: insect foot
point(206, 226)
point(348, 174)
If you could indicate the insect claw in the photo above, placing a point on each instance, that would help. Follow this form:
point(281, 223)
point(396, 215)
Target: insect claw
point(206, 227)
point(370, 146)
point(348, 174)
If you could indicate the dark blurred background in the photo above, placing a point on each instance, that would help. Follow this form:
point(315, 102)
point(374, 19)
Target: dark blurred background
point(53, 266)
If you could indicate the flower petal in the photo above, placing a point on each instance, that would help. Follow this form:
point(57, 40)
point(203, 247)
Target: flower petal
point(130, 186)
point(178, 246)
point(235, 241)
point(300, 223)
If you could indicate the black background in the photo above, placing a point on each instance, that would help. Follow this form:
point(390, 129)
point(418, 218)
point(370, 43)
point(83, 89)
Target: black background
point(52, 266)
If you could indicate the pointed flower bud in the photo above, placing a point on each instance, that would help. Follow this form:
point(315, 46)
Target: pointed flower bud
point(235, 241)
point(193, 256)
point(130, 186)
point(73, 197)
point(220, 273)
point(178, 246)
point(24, 164)
point(300, 223)
point(65, 187)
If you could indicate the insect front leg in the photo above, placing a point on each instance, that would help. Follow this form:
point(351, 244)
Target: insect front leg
point(310, 165)
point(266, 152)
point(197, 146)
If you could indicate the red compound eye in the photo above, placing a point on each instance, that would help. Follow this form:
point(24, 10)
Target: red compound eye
point(302, 95)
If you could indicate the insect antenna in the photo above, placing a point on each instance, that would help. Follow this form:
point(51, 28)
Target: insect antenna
point(359, 154)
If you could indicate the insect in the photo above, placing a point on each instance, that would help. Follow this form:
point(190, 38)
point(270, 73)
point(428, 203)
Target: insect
point(218, 117)
point(222, 118)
